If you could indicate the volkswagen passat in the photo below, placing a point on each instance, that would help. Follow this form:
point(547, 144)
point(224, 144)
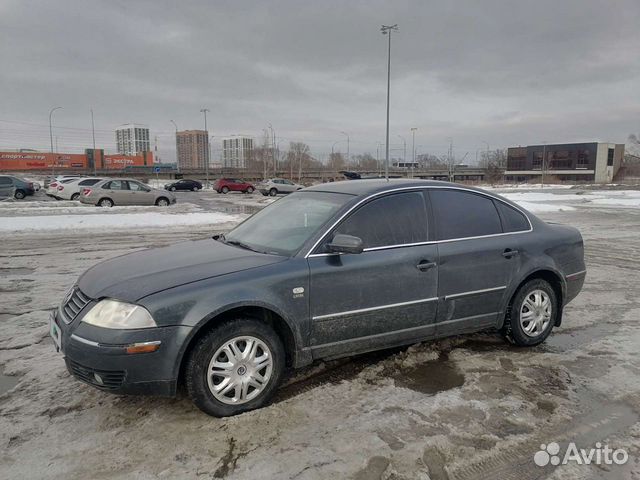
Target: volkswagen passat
point(333, 270)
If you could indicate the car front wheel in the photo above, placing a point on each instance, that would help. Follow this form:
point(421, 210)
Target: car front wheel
point(533, 314)
point(173, 189)
point(19, 194)
point(237, 366)
point(250, 190)
point(162, 202)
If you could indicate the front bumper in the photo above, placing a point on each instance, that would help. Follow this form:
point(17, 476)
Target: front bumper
point(97, 356)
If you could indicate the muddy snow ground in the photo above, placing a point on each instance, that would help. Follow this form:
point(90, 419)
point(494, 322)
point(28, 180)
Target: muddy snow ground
point(463, 408)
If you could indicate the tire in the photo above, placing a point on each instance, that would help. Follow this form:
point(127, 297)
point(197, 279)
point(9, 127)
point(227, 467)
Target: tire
point(200, 386)
point(225, 190)
point(162, 202)
point(250, 190)
point(195, 189)
point(105, 202)
point(20, 194)
point(533, 313)
point(173, 189)
point(75, 196)
point(273, 192)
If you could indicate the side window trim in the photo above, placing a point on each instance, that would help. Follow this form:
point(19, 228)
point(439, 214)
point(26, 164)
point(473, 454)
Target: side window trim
point(425, 189)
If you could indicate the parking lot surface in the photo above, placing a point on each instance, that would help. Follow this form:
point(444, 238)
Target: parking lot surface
point(466, 407)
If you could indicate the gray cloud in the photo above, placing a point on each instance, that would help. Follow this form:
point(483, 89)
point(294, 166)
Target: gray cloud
point(505, 72)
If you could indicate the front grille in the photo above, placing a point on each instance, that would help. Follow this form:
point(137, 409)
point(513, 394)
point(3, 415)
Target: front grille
point(75, 303)
point(109, 379)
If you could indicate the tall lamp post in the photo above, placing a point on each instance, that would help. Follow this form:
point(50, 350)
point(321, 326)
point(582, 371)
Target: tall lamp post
point(386, 30)
point(347, 135)
point(404, 149)
point(177, 159)
point(206, 165)
point(544, 155)
point(93, 134)
point(50, 127)
point(413, 149)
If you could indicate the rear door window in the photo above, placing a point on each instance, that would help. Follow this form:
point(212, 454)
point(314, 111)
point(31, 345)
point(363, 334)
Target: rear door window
point(117, 185)
point(397, 219)
point(463, 214)
point(5, 181)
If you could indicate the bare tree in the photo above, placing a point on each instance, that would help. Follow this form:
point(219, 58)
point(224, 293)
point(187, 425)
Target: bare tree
point(336, 162)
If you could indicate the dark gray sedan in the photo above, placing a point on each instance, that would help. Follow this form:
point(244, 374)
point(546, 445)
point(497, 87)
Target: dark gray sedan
point(332, 270)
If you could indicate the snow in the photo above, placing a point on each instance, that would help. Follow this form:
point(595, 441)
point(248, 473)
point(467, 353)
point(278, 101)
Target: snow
point(114, 221)
point(544, 207)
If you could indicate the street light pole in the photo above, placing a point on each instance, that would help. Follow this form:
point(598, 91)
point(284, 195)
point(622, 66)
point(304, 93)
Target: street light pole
point(386, 30)
point(177, 159)
point(50, 127)
point(206, 166)
point(544, 154)
point(413, 149)
point(348, 153)
point(93, 134)
point(404, 149)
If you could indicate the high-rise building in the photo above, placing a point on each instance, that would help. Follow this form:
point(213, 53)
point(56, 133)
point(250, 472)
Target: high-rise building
point(132, 139)
point(192, 148)
point(236, 151)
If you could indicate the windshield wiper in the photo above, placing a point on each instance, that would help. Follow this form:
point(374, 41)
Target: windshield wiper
point(241, 245)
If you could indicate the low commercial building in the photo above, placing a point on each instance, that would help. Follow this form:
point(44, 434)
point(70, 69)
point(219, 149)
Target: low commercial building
point(592, 162)
point(24, 161)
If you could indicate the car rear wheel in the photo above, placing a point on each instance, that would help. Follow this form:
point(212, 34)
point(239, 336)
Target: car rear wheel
point(225, 190)
point(533, 313)
point(105, 202)
point(162, 202)
point(235, 367)
point(75, 196)
point(273, 192)
point(250, 190)
point(20, 194)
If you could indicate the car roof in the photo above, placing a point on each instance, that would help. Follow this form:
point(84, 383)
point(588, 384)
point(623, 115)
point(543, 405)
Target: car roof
point(376, 185)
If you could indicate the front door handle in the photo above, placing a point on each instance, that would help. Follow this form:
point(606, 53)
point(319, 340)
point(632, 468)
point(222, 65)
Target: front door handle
point(425, 265)
point(508, 253)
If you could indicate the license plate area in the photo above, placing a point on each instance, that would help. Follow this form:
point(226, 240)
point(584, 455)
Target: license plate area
point(55, 332)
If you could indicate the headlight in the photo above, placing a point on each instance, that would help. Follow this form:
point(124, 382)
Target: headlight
point(119, 315)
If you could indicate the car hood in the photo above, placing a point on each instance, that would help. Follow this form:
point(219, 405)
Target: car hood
point(135, 275)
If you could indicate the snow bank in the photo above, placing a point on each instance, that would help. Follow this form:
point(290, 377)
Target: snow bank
point(113, 222)
point(543, 207)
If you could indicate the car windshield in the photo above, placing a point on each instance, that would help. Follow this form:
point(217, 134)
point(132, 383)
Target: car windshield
point(283, 227)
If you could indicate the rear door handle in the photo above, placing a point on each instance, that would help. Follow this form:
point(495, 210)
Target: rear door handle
point(508, 253)
point(425, 265)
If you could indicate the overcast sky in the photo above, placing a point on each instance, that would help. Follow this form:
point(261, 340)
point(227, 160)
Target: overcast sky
point(502, 72)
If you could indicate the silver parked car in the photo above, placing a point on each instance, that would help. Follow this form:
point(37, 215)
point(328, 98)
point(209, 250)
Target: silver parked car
point(275, 186)
point(125, 191)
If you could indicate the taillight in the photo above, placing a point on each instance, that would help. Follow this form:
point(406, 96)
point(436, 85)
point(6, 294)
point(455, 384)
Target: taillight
point(60, 188)
point(86, 191)
point(53, 185)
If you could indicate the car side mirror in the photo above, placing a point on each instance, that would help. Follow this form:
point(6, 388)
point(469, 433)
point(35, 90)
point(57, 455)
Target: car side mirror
point(345, 244)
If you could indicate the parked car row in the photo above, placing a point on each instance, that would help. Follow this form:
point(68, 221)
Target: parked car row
point(272, 186)
point(107, 192)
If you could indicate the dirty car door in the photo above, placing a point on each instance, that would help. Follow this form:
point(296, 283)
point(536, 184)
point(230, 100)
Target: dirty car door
point(385, 295)
point(477, 261)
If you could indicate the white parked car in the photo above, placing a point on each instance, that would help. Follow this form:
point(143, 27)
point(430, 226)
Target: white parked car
point(274, 186)
point(52, 187)
point(70, 189)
